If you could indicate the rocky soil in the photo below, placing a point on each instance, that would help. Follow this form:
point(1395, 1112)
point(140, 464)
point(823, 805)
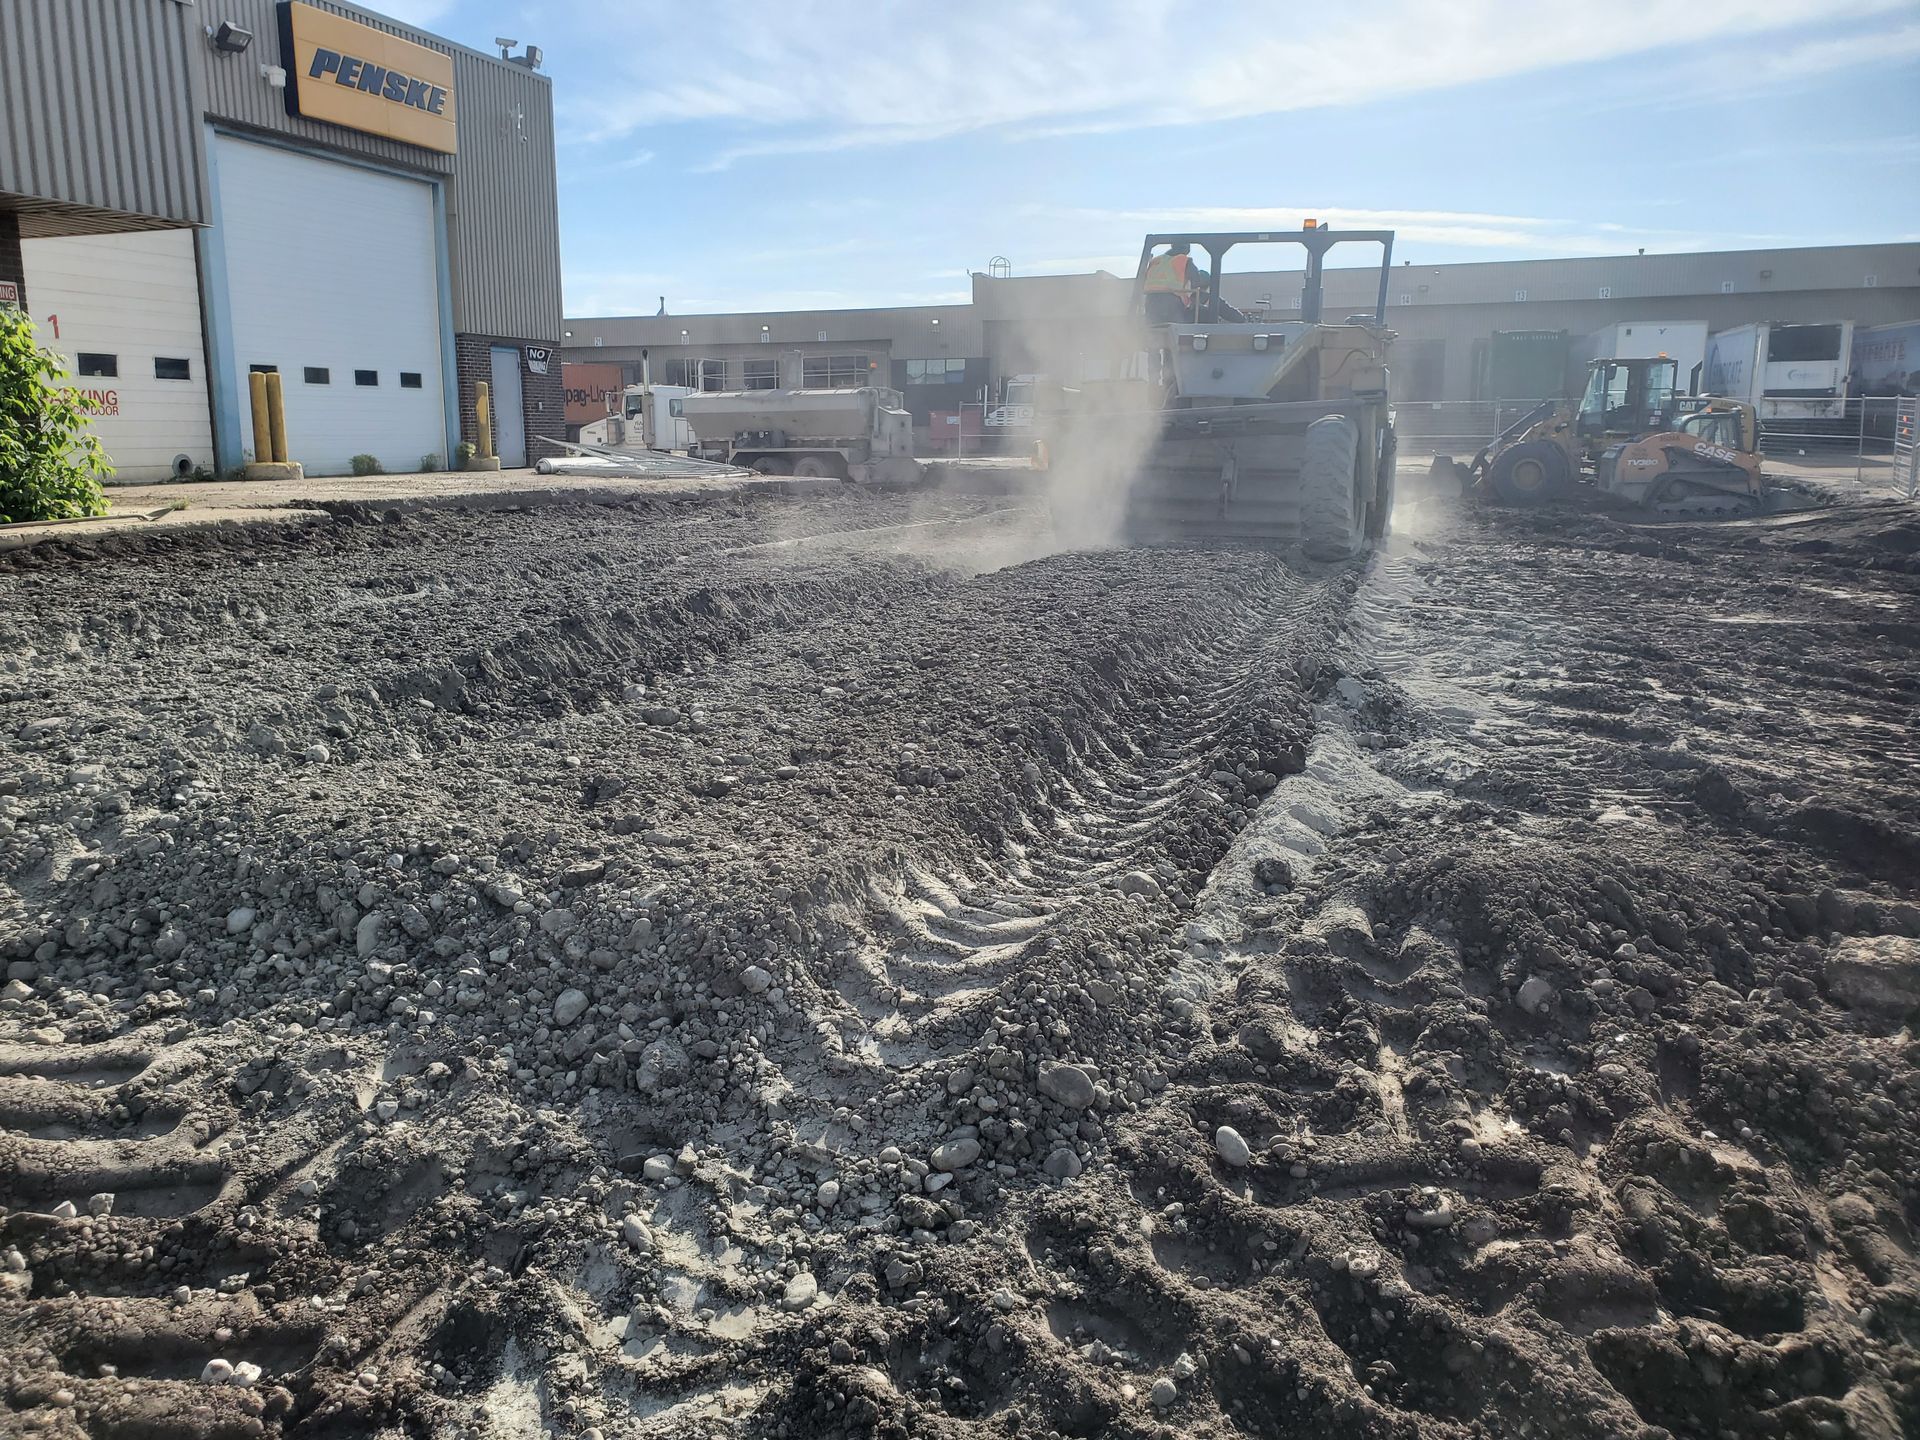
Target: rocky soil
point(830, 968)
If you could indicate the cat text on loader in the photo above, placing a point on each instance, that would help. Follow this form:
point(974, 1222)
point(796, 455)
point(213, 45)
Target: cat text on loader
point(1222, 428)
point(1708, 464)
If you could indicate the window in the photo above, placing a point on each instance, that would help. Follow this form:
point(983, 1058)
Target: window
point(366, 377)
point(936, 372)
point(713, 374)
point(760, 375)
point(105, 366)
point(409, 379)
point(318, 375)
point(1805, 344)
point(1715, 427)
point(679, 372)
point(165, 367)
point(835, 372)
point(263, 369)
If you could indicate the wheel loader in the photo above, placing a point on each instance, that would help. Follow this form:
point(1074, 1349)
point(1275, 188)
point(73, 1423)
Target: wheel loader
point(1623, 438)
point(1221, 428)
point(1541, 455)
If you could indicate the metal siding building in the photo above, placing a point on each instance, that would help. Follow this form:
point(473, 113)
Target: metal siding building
point(114, 115)
point(1068, 326)
point(504, 209)
point(100, 105)
point(887, 339)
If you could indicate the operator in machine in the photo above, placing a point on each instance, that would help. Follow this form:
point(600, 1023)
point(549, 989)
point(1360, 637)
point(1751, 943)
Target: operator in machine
point(1169, 286)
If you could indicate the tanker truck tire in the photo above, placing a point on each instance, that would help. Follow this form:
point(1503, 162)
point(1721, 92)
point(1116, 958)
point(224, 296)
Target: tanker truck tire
point(772, 465)
point(814, 467)
point(1332, 502)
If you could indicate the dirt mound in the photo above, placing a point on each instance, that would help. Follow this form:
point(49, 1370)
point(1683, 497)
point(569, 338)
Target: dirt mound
point(739, 969)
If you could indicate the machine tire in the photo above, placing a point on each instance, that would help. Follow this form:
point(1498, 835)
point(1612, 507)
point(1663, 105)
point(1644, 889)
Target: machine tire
point(772, 465)
point(814, 467)
point(1535, 473)
point(1380, 517)
point(1332, 502)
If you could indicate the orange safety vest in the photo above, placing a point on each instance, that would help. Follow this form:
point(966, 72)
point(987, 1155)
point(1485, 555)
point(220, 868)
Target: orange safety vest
point(1170, 274)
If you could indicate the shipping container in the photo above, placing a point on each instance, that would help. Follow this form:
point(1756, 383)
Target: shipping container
point(1521, 365)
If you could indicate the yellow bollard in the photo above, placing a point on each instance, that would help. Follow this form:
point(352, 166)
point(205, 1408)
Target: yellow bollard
point(277, 417)
point(483, 418)
point(262, 430)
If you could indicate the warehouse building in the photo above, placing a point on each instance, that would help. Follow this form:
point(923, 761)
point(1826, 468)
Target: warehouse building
point(190, 193)
point(1443, 316)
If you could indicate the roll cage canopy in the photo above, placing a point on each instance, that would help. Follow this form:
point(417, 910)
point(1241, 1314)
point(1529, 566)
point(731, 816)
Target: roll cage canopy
point(1316, 242)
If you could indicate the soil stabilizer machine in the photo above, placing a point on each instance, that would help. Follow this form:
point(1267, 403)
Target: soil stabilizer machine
point(1224, 428)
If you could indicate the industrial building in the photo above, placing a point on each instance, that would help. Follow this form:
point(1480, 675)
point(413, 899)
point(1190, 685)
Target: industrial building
point(189, 193)
point(1067, 326)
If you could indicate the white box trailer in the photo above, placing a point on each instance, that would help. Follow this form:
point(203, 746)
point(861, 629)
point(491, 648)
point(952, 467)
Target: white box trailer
point(1683, 341)
point(862, 434)
point(1790, 374)
point(1886, 360)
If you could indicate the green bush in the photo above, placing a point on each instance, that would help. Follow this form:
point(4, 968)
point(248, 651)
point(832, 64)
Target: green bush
point(463, 454)
point(366, 465)
point(51, 463)
point(430, 462)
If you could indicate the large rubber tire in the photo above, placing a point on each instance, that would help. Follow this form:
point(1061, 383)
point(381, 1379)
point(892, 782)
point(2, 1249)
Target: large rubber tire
point(772, 465)
point(1535, 473)
point(814, 467)
point(1380, 517)
point(1332, 499)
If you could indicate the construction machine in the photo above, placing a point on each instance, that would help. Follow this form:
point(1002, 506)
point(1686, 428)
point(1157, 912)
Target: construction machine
point(1707, 464)
point(1223, 428)
point(1541, 455)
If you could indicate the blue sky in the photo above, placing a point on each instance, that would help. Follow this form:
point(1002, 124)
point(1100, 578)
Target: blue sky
point(776, 154)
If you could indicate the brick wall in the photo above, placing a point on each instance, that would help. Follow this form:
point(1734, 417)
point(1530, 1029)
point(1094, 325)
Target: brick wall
point(12, 267)
point(546, 409)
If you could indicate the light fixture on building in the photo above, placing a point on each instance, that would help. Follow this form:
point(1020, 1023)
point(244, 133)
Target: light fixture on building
point(936, 319)
point(683, 337)
point(232, 38)
point(566, 334)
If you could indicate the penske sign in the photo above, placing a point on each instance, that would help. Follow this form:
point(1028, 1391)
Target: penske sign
point(350, 74)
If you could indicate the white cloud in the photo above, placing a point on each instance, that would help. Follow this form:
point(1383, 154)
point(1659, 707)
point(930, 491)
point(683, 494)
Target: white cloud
point(796, 76)
point(1467, 230)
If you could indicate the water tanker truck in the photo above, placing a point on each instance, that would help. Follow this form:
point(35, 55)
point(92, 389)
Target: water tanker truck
point(864, 435)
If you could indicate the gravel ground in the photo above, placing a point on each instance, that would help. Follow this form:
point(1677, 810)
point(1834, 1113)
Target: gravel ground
point(830, 967)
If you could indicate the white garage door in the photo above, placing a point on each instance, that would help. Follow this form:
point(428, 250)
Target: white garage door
point(124, 312)
point(332, 278)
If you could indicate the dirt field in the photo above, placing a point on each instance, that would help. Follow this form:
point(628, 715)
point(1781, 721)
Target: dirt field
point(828, 967)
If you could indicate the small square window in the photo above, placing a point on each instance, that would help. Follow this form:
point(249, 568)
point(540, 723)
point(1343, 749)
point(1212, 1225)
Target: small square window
point(409, 379)
point(168, 368)
point(105, 366)
point(319, 375)
point(366, 377)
